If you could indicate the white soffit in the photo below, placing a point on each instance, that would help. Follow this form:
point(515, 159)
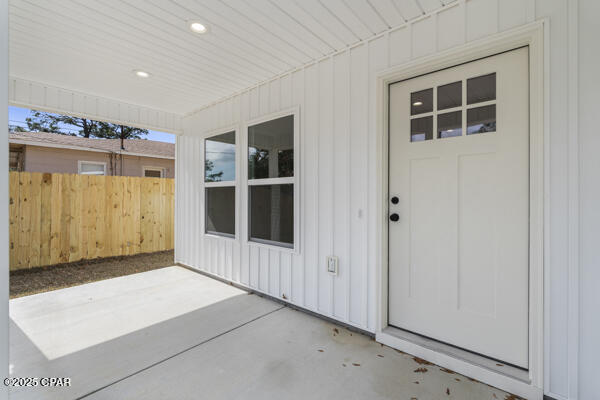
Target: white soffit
point(92, 47)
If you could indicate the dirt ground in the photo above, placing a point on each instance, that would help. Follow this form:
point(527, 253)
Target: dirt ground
point(44, 279)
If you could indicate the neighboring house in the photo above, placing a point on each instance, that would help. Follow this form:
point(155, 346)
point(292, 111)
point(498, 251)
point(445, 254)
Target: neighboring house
point(51, 152)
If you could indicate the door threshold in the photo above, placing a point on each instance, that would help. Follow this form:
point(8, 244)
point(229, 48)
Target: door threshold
point(506, 377)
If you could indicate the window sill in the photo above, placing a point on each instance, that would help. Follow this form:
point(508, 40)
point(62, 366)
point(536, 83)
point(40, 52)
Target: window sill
point(282, 249)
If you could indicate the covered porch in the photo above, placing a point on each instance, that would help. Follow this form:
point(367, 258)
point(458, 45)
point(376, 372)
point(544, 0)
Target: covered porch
point(182, 335)
point(284, 236)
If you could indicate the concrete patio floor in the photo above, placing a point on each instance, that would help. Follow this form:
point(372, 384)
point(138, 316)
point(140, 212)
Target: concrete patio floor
point(176, 334)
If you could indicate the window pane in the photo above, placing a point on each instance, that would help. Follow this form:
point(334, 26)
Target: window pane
point(449, 124)
point(421, 129)
point(219, 158)
point(272, 213)
point(220, 210)
point(271, 149)
point(421, 102)
point(449, 95)
point(92, 169)
point(481, 119)
point(481, 88)
point(152, 173)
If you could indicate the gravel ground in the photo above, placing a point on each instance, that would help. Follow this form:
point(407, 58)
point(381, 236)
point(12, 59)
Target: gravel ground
point(44, 279)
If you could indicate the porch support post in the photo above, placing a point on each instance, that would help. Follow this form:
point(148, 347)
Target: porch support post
point(4, 198)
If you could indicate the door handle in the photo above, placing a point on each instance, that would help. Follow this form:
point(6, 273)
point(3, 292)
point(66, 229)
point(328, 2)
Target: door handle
point(394, 217)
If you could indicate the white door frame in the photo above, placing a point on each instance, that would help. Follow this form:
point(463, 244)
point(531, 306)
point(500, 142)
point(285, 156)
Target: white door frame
point(531, 35)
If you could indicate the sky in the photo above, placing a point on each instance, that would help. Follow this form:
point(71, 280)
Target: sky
point(17, 115)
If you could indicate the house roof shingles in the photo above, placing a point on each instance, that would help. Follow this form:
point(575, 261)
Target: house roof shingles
point(140, 147)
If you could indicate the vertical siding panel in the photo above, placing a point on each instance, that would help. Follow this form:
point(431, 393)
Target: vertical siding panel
point(214, 256)
point(263, 269)
point(512, 13)
point(182, 200)
point(245, 250)
point(400, 45)
point(263, 98)
point(298, 265)
point(220, 246)
point(378, 60)
point(229, 260)
point(274, 272)
point(186, 171)
point(274, 95)
point(190, 200)
point(286, 89)
point(198, 188)
point(325, 184)
point(254, 270)
point(311, 182)
point(482, 18)
point(358, 153)
point(450, 27)
point(341, 182)
point(254, 103)
point(236, 260)
point(285, 259)
point(423, 37)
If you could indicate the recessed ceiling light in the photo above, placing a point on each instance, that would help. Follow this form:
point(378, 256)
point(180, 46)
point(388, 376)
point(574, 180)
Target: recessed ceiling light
point(418, 103)
point(141, 74)
point(197, 27)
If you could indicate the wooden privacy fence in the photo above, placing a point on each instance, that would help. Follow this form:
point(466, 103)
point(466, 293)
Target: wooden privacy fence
point(59, 218)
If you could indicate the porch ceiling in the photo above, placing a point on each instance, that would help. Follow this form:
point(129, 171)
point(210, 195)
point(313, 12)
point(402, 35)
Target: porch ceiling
point(92, 47)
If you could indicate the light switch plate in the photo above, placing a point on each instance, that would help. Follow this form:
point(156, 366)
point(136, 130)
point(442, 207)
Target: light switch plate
point(332, 265)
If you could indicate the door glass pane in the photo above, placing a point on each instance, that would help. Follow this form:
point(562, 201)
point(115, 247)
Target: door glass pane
point(449, 124)
point(272, 214)
point(220, 210)
point(449, 95)
point(421, 102)
point(421, 129)
point(219, 158)
point(481, 88)
point(271, 149)
point(481, 119)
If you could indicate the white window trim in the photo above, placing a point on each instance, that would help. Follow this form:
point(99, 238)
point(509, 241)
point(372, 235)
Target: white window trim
point(80, 162)
point(295, 180)
point(149, 168)
point(234, 183)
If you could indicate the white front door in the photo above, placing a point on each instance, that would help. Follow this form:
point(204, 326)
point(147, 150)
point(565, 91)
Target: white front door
point(459, 206)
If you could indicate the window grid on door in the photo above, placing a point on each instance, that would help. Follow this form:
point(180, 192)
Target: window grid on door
point(476, 113)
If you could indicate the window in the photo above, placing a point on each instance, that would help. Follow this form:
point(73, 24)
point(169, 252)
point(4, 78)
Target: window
point(271, 181)
point(220, 184)
point(153, 172)
point(91, 168)
point(465, 106)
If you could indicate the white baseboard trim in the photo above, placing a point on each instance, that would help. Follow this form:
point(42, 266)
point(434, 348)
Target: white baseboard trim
point(482, 374)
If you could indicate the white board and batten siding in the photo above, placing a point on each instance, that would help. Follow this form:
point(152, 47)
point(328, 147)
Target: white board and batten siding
point(339, 150)
point(41, 96)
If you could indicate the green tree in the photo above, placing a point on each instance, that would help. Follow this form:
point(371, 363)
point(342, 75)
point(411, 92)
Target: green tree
point(209, 175)
point(40, 121)
point(115, 131)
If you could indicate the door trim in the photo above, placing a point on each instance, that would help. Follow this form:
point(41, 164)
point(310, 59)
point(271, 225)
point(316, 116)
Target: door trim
point(531, 35)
